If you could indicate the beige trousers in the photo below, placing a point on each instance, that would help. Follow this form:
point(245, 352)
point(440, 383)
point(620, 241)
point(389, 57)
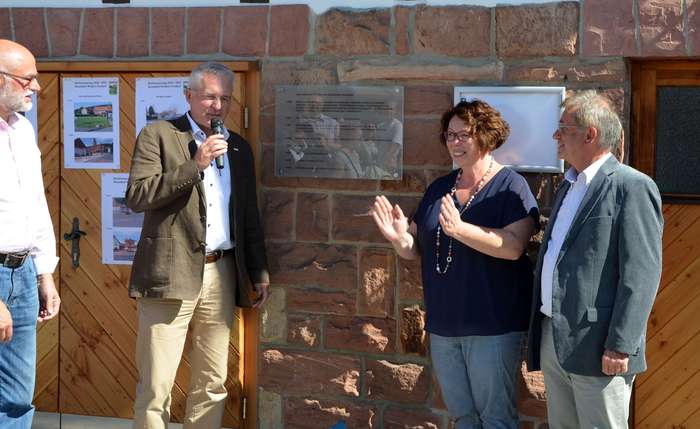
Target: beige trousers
point(163, 325)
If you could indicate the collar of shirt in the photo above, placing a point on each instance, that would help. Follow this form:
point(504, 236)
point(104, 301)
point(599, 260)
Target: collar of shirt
point(11, 122)
point(199, 135)
point(588, 173)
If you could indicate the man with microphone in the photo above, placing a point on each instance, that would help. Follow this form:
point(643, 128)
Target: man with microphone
point(201, 251)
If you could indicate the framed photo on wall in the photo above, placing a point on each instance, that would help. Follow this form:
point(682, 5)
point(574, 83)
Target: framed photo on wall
point(533, 114)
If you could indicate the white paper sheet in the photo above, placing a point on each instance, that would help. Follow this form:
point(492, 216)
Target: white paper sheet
point(91, 122)
point(121, 227)
point(159, 98)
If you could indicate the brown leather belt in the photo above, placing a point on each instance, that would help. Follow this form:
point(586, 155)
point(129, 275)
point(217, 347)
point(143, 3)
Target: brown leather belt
point(13, 260)
point(216, 255)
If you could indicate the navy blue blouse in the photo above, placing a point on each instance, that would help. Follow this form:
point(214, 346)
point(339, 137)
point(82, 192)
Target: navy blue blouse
point(479, 294)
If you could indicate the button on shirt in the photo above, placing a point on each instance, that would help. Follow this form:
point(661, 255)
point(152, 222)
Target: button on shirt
point(25, 223)
point(567, 211)
point(217, 191)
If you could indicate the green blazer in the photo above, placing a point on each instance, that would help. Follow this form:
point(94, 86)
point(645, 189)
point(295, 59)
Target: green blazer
point(165, 184)
point(606, 275)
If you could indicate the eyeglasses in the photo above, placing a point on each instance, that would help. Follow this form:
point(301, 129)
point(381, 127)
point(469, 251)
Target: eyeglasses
point(212, 98)
point(560, 129)
point(449, 136)
point(25, 81)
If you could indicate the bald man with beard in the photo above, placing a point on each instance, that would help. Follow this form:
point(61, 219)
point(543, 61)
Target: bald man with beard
point(27, 244)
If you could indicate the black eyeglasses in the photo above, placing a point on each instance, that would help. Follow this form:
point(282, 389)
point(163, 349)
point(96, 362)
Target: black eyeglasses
point(25, 81)
point(449, 136)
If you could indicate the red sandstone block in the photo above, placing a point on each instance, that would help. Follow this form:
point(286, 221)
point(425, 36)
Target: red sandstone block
point(304, 331)
point(344, 32)
point(312, 72)
point(608, 28)
point(5, 24)
point(289, 30)
point(398, 418)
point(245, 30)
point(427, 100)
point(453, 30)
point(537, 31)
point(203, 28)
point(30, 30)
point(310, 413)
point(321, 265)
point(319, 301)
point(277, 211)
point(410, 281)
point(401, 19)
point(350, 220)
point(413, 336)
point(407, 382)
point(661, 27)
point(313, 214)
point(98, 33)
point(64, 26)
point(360, 334)
point(132, 32)
point(608, 72)
point(167, 31)
point(422, 144)
point(377, 282)
point(306, 373)
point(412, 180)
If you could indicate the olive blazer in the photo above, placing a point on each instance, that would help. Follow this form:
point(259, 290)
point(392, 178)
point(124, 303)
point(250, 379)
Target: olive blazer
point(606, 275)
point(165, 184)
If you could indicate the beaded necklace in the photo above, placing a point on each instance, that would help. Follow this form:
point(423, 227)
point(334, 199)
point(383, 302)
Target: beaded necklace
point(448, 259)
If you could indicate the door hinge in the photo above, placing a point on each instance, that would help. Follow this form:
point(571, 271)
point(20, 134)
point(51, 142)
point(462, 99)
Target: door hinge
point(243, 408)
point(245, 118)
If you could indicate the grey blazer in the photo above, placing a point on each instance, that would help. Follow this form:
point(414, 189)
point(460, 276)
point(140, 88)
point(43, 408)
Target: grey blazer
point(606, 275)
point(165, 184)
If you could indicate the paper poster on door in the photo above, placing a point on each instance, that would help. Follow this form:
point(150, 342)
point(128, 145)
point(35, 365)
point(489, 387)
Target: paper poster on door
point(91, 122)
point(159, 98)
point(121, 227)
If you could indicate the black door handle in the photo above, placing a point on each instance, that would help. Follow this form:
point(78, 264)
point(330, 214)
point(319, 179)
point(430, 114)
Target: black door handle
point(74, 236)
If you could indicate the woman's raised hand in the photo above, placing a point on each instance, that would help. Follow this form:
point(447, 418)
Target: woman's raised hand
point(390, 220)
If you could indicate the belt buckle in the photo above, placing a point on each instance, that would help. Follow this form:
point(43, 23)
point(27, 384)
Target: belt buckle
point(14, 260)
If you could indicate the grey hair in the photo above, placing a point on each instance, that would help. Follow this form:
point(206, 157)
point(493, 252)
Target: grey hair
point(210, 67)
point(590, 109)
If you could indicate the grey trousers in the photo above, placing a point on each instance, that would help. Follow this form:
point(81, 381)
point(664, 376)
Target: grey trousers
point(578, 401)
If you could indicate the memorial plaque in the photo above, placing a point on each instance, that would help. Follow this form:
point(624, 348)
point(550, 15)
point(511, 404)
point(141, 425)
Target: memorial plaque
point(352, 132)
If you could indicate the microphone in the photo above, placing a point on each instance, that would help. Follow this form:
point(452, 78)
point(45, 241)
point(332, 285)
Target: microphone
point(217, 126)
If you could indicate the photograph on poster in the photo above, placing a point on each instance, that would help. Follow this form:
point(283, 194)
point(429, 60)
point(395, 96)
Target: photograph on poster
point(121, 227)
point(124, 242)
point(91, 122)
point(92, 116)
point(533, 114)
point(123, 216)
point(93, 150)
point(159, 98)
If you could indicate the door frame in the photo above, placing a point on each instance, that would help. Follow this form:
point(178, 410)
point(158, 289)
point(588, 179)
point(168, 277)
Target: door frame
point(251, 133)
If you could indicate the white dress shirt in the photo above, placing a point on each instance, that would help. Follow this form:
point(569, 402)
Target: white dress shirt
point(217, 188)
point(569, 206)
point(25, 223)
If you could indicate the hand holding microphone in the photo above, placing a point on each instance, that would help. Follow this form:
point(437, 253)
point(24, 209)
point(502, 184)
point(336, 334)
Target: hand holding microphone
point(213, 148)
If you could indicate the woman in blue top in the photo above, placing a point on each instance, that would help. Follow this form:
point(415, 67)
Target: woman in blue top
point(471, 230)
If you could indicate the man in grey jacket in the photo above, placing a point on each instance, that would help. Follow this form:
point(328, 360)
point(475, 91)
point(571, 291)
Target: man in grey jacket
point(597, 273)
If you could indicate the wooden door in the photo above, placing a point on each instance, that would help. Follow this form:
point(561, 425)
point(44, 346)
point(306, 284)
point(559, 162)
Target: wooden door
point(668, 394)
point(94, 338)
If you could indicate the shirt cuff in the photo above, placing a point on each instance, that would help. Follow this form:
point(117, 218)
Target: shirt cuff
point(45, 264)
